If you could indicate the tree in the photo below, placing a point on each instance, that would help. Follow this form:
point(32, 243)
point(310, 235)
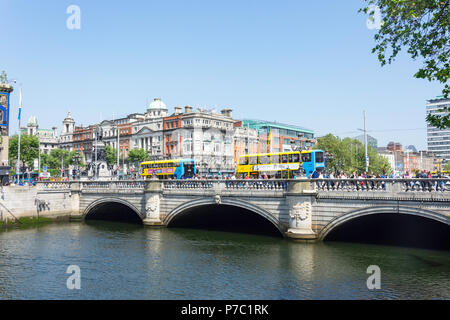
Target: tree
point(111, 156)
point(137, 155)
point(28, 149)
point(53, 160)
point(3, 77)
point(447, 166)
point(349, 155)
point(423, 27)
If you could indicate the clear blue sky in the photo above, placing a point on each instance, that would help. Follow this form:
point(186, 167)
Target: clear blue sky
point(307, 63)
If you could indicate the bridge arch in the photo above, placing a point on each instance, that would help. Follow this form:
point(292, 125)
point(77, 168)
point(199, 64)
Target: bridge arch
point(394, 210)
point(202, 202)
point(107, 202)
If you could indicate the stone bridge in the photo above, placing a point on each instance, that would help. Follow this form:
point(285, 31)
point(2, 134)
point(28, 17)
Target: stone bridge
point(298, 209)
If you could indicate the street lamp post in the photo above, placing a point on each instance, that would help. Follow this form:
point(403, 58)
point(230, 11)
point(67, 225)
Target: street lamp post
point(365, 142)
point(118, 150)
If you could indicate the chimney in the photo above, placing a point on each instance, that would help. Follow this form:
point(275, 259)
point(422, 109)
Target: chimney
point(227, 112)
point(178, 110)
point(187, 109)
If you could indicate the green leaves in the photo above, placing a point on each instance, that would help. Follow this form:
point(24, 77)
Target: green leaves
point(3, 77)
point(423, 27)
point(137, 155)
point(28, 149)
point(349, 155)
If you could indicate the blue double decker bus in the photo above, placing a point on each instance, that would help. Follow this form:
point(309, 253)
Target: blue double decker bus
point(312, 160)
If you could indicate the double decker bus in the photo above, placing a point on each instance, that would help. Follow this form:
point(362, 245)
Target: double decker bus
point(281, 165)
point(165, 169)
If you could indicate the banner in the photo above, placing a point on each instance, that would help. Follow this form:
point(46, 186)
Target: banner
point(4, 109)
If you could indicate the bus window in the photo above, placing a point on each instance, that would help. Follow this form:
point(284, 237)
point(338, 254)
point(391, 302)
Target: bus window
point(294, 158)
point(263, 160)
point(306, 157)
point(243, 161)
point(253, 160)
point(284, 158)
point(319, 156)
point(275, 158)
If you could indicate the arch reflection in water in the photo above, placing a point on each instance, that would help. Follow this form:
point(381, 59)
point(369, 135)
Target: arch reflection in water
point(224, 218)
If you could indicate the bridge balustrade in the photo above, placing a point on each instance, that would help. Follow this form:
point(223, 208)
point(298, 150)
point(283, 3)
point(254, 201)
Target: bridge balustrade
point(53, 185)
point(383, 185)
point(226, 184)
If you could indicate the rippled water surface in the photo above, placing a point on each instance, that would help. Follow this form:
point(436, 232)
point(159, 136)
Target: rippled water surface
point(123, 261)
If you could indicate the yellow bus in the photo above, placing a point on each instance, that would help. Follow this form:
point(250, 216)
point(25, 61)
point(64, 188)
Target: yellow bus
point(165, 169)
point(443, 172)
point(280, 165)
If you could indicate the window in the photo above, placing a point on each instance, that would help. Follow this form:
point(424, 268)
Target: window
point(319, 156)
point(306, 157)
point(284, 158)
point(253, 160)
point(264, 159)
point(275, 158)
point(294, 157)
point(243, 161)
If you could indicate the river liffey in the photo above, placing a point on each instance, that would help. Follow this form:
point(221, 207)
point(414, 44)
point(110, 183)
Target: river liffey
point(125, 261)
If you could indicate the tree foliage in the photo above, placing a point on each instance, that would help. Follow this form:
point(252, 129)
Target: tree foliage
point(447, 166)
point(28, 149)
point(3, 77)
point(53, 160)
point(137, 155)
point(349, 155)
point(111, 155)
point(423, 27)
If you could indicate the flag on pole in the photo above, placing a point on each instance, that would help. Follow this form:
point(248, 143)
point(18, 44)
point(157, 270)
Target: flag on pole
point(20, 103)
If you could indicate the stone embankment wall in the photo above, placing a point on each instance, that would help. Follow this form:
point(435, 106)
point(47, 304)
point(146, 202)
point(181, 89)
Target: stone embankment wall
point(22, 202)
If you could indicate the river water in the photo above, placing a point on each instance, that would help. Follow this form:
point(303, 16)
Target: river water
point(125, 261)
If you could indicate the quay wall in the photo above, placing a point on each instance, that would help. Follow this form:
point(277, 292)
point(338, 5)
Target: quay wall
point(25, 202)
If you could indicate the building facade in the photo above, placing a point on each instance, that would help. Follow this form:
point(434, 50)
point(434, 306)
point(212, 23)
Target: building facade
point(48, 138)
point(213, 139)
point(438, 139)
point(278, 137)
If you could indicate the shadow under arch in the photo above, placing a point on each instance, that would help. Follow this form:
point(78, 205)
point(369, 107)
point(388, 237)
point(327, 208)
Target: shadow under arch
point(391, 225)
point(229, 215)
point(112, 209)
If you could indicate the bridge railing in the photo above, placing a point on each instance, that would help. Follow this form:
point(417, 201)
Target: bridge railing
point(53, 185)
point(225, 184)
point(121, 184)
point(382, 185)
point(91, 185)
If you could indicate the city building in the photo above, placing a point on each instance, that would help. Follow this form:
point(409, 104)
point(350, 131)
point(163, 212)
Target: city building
point(66, 135)
point(213, 139)
point(278, 137)
point(48, 138)
point(245, 140)
point(438, 139)
point(394, 146)
point(205, 136)
point(371, 141)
